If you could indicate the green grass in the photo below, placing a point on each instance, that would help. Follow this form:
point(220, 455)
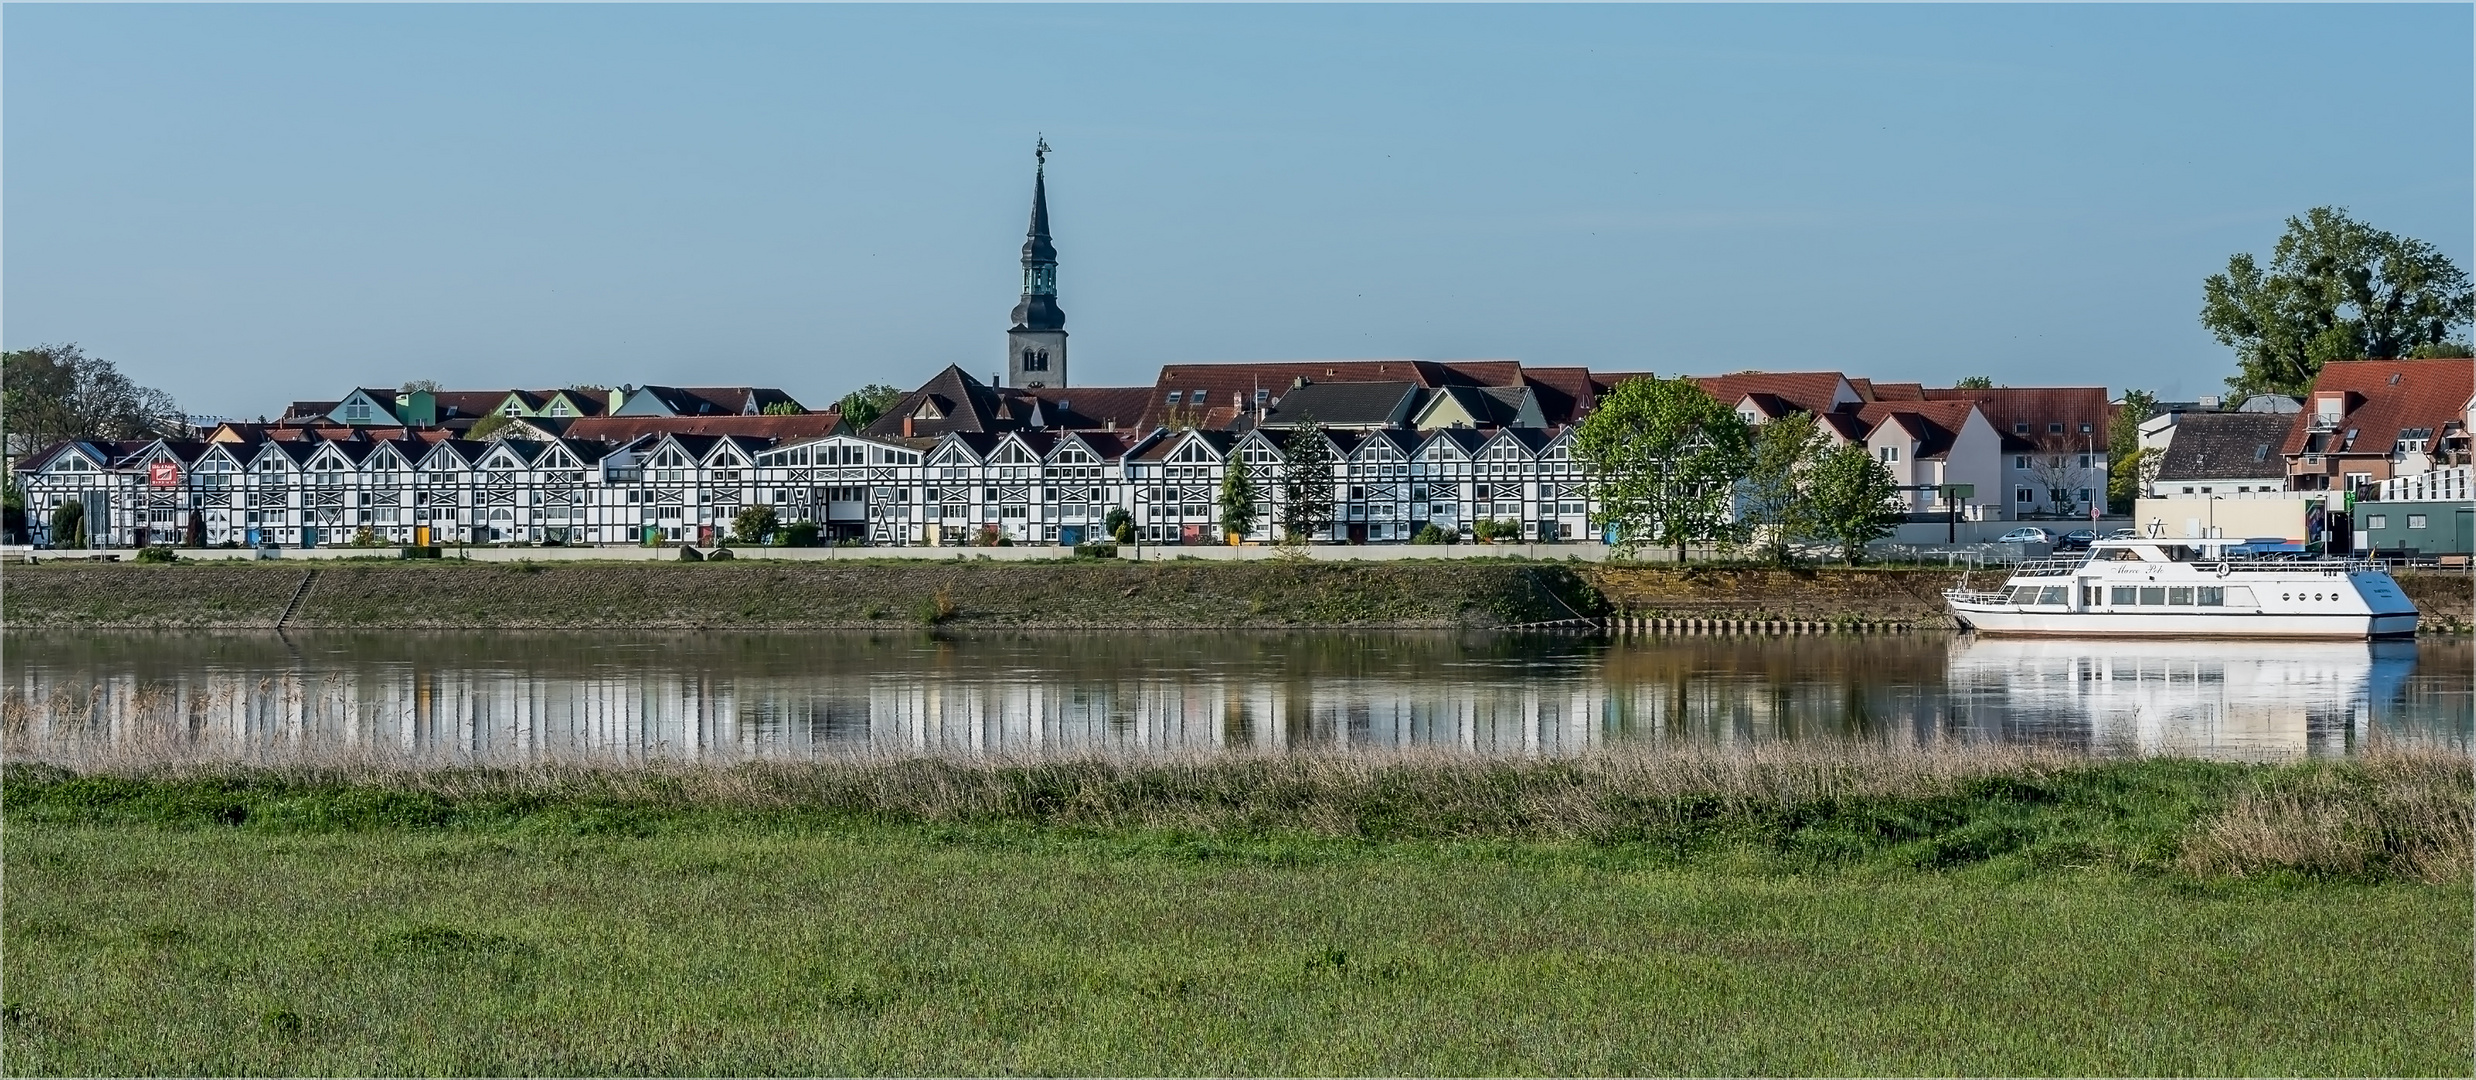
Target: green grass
point(1826, 910)
point(889, 948)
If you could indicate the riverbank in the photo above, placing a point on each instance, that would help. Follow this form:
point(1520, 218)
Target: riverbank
point(1076, 594)
point(1927, 912)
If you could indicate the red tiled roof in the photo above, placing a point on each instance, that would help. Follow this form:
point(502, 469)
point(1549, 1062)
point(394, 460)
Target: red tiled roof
point(1934, 424)
point(2390, 396)
point(1811, 391)
point(2040, 407)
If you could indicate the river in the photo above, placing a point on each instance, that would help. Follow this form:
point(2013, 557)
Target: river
point(516, 697)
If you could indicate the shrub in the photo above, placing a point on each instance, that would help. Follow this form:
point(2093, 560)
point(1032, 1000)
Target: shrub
point(1496, 530)
point(1119, 524)
point(800, 534)
point(754, 524)
point(1430, 534)
point(158, 555)
point(364, 538)
point(422, 553)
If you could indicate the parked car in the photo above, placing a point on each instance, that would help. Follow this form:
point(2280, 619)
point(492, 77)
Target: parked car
point(2125, 533)
point(2029, 534)
point(2077, 540)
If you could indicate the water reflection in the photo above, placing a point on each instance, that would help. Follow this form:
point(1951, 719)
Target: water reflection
point(523, 697)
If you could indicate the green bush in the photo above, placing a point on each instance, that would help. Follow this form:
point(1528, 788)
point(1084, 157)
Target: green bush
point(800, 534)
point(1430, 534)
point(754, 524)
point(158, 555)
point(1119, 524)
point(422, 553)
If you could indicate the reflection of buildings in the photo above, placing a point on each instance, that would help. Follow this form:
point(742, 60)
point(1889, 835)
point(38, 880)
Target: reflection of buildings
point(500, 715)
point(718, 697)
point(2216, 698)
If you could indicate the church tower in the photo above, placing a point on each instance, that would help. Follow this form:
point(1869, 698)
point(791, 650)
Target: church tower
point(1036, 346)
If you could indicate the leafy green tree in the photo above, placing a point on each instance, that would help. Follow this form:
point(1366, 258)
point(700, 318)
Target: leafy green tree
point(1306, 483)
point(782, 408)
point(1773, 502)
point(1976, 382)
point(2335, 289)
point(1665, 457)
point(69, 524)
point(1237, 499)
point(753, 524)
point(1852, 500)
point(1119, 524)
point(488, 426)
point(1430, 533)
point(2123, 481)
point(863, 406)
point(53, 392)
point(2123, 450)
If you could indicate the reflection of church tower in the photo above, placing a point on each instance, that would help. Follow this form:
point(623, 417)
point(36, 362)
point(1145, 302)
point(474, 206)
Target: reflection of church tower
point(1036, 346)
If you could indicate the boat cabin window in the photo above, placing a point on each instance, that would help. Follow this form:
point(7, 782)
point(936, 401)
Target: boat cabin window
point(2211, 596)
point(2052, 594)
point(2118, 555)
point(2121, 595)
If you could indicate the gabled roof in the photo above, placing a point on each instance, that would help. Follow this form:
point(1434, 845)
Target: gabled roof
point(1219, 442)
point(1347, 405)
point(2040, 407)
point(1088, 407)
point(2227, 446)
point(1466, 440)
point(1564, 394)
point(2390, 397)
point(625, 428)
point(1934, 425)
point(705, 400)
point(951, 401)
point(1225, 383)
point(1816, 392)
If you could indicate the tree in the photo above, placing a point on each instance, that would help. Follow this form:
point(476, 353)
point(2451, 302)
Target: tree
point(1852, 500)
point(2123, 481)
point(195, 536)
point(1306, 483)
point(2123, 449)
point(2335, 289)
point(1119, 524)
point(1237, 499)
point(2062, 477)
point(863, 406)
point(56, 392)
point(1666, 457)
point(488, 426)
point(782, 408)
point(754, 524)
point(414, 385)
point(1773, 499)
point(69, 524)
point(1976, 382)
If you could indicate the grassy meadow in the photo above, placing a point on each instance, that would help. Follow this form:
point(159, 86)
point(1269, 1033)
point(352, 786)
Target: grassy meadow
point(1813, 910)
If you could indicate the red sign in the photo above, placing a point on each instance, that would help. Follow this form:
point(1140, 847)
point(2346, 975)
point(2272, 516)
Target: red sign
point(163, 474)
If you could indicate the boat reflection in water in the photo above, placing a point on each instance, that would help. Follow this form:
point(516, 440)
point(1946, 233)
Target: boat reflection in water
point(615, 698)
point(2243, 699)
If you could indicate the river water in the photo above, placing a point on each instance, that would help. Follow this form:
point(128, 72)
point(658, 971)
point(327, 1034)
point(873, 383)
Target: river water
point(521, 697)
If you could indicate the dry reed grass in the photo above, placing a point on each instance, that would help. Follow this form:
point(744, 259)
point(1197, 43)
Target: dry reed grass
point(2405, 811)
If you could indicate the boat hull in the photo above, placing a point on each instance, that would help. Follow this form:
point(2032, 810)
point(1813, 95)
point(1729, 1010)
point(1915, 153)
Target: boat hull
point(2007, 621)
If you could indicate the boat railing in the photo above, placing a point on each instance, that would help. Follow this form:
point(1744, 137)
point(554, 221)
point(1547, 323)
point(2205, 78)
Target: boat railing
point(2046, 567)
point(1977, 596)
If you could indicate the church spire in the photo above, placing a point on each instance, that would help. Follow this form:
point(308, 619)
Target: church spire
point(1038, 309)
point(1036, 346)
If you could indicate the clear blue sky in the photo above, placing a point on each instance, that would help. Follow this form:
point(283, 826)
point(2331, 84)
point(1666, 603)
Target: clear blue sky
point(246, 205)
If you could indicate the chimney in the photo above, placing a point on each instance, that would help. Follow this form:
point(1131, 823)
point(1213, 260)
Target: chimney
point(906, 427)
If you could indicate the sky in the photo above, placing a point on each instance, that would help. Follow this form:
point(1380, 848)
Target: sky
point(247, 205)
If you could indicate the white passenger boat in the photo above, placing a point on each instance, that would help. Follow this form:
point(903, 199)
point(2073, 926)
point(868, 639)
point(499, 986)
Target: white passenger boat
point(2188, 588)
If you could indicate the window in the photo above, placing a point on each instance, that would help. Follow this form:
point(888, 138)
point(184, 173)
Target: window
point(2020, 461)
point(2377, 521)
point(2024, 495)
point(2212, 596)
point(1173, 397)
point(2052, 594)
point(2153, 595)
point(1890, 453)
point(2084, 461)
point(2415, 521)
point(2054, 429)
point(2087, 427)
point(2020, 427)
point(2179, 596)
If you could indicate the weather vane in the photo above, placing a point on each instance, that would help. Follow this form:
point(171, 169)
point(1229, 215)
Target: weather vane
point(1040, 153)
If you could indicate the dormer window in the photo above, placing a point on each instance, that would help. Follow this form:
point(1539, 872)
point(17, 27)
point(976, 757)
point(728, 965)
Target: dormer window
point(2020, 427)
